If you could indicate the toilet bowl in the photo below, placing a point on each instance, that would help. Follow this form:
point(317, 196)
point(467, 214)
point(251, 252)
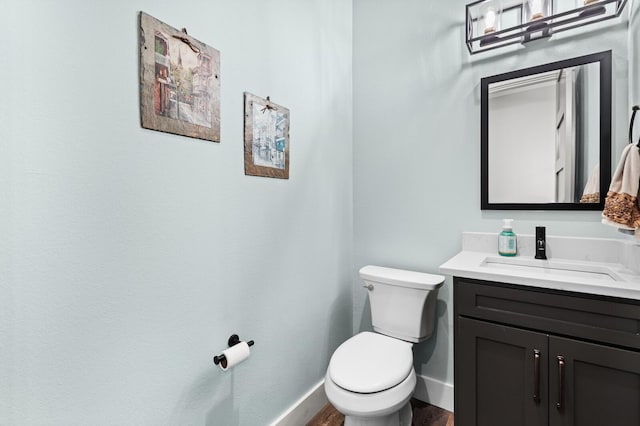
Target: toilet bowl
point(370, 378)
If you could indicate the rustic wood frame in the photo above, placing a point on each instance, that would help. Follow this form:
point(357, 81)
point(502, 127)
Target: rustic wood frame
point(250, 168)
point(159, 97)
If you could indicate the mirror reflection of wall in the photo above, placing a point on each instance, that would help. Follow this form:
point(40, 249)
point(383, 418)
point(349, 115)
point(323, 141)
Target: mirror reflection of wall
point(544, 136)
point(634, 54)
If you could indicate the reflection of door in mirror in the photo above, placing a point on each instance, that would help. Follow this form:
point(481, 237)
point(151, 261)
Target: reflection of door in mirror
point(543, 135)
point(587, 132)
point(565, 139)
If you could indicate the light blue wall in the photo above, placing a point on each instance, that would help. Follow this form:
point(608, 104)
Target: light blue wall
point(127, 256)
point(417, 143)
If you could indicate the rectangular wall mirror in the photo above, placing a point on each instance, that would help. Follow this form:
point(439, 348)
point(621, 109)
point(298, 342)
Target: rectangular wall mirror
point(546, 136)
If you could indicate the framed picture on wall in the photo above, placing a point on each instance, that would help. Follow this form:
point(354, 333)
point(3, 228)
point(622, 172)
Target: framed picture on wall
point(179, 82)
point(266, 138)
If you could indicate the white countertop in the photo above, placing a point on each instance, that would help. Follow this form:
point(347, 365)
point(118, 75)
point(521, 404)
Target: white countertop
point(606, 267)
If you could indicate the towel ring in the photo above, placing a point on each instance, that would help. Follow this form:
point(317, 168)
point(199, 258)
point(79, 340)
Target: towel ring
point(633, 118)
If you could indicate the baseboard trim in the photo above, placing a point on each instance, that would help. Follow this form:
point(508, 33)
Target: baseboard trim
point(427, 390)
point(305, 408)
point(434, 392)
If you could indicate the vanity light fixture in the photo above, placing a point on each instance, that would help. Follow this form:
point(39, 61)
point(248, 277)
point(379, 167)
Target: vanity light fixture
point(496, 23)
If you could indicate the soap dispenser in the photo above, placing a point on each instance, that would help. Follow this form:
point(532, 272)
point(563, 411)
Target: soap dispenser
point(507, 239)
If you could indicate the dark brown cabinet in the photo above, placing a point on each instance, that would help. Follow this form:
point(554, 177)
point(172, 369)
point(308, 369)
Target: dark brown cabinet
point(593, 384)
point(530, 357)
point(494, 371)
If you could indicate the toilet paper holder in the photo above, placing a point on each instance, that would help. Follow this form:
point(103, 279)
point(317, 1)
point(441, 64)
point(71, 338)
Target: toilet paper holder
point(233, 340)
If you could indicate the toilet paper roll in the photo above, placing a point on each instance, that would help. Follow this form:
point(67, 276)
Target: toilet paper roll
point(234, 355)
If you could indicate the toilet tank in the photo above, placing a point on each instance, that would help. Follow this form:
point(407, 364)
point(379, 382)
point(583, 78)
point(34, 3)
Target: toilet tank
point(403, 303)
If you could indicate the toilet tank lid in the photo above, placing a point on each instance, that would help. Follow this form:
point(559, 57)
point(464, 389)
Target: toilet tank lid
point(401, 277)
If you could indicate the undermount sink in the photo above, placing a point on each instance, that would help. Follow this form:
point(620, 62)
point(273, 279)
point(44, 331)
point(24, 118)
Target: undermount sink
point(595, 266)
point(551, 268)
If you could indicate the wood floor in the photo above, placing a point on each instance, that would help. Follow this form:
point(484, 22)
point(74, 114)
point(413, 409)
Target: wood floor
point(423, 415)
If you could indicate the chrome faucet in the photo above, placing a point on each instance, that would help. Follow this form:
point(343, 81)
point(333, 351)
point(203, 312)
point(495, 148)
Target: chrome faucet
point(541, 242)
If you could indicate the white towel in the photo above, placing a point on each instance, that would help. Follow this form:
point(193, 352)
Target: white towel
point(621, 207)
point(591, 193)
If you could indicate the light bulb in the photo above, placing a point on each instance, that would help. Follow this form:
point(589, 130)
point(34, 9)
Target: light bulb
point(536, 9)
point(490, 21)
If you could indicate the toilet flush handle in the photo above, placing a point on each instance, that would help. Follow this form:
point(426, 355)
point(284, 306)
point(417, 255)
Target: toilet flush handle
point(368, 286)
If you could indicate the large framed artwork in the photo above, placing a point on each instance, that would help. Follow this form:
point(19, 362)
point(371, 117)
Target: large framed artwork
point(179, 82)
point(266, 138)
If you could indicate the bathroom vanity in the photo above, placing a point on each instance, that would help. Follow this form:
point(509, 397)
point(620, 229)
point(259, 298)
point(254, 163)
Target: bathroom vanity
point(552, 342)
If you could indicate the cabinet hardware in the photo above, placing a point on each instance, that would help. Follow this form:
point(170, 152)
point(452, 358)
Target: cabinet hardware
point(560, 401)
point(536, 375)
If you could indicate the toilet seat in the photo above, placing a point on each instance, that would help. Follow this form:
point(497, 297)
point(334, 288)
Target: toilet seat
point(370, 362)
point(370, 405)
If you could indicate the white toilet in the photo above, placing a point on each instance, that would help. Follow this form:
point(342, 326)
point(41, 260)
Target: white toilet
point(370, 378)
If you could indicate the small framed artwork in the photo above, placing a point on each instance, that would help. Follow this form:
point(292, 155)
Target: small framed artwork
point(179, 82)
point(266, 138)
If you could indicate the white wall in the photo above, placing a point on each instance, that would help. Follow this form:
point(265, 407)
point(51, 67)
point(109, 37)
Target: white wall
point(128, 256)
point(522, 151)
point(417, 142)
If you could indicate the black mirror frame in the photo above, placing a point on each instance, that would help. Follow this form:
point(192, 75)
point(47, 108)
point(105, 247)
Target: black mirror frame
point(604, 59)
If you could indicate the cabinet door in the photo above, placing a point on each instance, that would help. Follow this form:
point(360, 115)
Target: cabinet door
point(501, 375)
point(593, 384)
